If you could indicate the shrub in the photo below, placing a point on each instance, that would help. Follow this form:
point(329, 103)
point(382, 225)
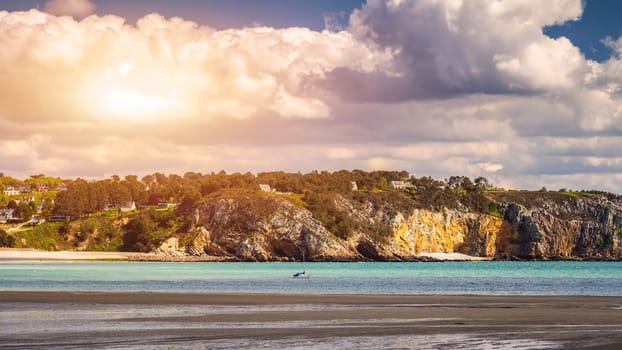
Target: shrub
point(145, 231)
point(44, 236)
point(87, 228)
point(324, 209)
point(6, 240)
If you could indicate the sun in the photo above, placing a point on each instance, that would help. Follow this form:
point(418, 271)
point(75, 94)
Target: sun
point(125, 93)
point(124, 68)
point(121, 102)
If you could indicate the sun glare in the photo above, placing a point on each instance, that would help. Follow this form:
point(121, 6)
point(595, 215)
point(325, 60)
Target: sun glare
point(124, 68)
point(127, 92)
point(123, 103)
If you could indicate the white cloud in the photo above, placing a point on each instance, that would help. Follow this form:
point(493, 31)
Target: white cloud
point(70, 67)
point(490, 167)
point(434, 87)
point(76, 8)
point(615, 45)
point(443, 48)
point(552, 64)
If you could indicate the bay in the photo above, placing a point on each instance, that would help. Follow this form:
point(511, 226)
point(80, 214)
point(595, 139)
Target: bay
point(433, 278)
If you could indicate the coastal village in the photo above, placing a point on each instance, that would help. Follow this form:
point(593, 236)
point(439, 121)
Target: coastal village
point(39, 195)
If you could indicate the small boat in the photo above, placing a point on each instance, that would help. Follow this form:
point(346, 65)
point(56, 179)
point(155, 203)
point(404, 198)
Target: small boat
point(303, 274)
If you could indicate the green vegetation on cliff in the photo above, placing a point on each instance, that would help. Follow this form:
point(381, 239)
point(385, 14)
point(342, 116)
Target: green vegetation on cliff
point(366, 210)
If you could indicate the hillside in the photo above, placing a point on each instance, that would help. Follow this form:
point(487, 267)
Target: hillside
point(342, 216)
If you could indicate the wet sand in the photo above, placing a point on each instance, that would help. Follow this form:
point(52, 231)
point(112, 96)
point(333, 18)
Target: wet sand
point(228, 321)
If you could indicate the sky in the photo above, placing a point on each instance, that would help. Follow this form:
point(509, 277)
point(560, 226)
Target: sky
point(524, 93)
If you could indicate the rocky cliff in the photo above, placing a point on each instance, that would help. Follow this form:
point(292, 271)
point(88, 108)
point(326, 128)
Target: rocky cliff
point(267, 226)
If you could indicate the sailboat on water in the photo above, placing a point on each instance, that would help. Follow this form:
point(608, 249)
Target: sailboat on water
point(303, 274)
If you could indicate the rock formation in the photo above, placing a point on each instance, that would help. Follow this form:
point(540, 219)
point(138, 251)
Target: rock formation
point(269, 227)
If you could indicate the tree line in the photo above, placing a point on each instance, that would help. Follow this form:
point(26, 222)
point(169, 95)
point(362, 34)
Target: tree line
point(87, 197)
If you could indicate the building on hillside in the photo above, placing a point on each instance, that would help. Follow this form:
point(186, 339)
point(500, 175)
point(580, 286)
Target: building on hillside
point(40, 187)
point(25, 189)
point(58, 218)
point(128, 207)
point(166, 205)
point(355, 187)
point(61, 187)
point(11, 191)
point(36, 220)
point(400, 185)
point(265, 188)
point(6, 215)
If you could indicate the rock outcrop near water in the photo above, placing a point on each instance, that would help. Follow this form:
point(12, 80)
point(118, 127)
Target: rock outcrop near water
point(522, 226)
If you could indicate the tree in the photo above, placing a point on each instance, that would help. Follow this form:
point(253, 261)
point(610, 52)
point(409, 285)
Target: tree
point(143, 233)
point(23, 211)
point(6, 240)
point(135, 187)
point(99, 196)
point(119, 194)
point(467, 184)
point(188, 202)
point(154, 199)
point(75, 201)
point(482, 182)
point(455, 181)
point(148, 180)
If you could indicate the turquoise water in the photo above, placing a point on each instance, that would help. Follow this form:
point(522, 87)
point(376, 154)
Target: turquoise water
point(483, 278)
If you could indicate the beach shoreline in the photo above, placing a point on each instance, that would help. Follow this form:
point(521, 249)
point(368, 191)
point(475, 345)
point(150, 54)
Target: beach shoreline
point(29, 254)
point(230, 320)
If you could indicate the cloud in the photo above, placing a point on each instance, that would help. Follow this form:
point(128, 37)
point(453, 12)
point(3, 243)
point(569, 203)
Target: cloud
point(447, 48)
point(162, 67)
point(437, 88)
point(614, 45)
point(74, 8)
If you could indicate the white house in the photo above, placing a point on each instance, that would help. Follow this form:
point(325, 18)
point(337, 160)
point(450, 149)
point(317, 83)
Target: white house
point(11, 191)
point(5, 215)
point(166, 205)
point(265, 188)
point(128, 207)
point(355, 187)
point(400, 185)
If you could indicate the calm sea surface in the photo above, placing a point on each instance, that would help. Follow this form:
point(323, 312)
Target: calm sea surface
point(484, 278)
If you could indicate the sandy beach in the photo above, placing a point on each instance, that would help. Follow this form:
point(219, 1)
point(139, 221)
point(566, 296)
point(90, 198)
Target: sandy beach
point(37, 320)
point(26, 254)
point(14, 254)
point(18, 254)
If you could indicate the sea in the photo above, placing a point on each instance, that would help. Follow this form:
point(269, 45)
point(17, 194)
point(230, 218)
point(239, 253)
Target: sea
point(593, 278)
point(55, 325)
